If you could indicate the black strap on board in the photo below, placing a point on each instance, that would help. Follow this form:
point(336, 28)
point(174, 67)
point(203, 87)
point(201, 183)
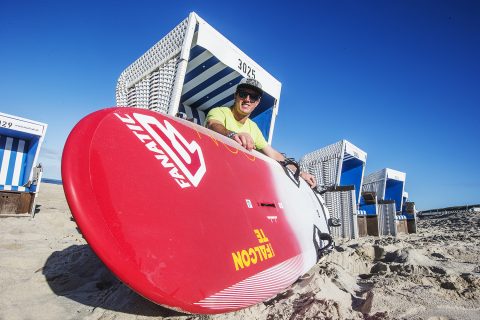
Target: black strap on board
point(291, 161)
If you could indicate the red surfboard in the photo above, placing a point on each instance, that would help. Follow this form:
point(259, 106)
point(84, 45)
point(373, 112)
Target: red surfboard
point(186, 217)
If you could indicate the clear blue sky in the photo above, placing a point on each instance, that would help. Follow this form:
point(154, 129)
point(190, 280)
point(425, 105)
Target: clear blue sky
point(399, 79)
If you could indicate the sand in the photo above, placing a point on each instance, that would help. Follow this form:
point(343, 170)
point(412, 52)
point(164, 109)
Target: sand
point(47, 271)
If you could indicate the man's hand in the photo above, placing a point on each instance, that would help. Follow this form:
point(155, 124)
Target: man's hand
point(274, 154)
point(310, 179)
point(242, 138)
point(245, 140)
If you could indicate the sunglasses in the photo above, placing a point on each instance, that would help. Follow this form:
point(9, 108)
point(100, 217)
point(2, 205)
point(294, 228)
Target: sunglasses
point(253, 96)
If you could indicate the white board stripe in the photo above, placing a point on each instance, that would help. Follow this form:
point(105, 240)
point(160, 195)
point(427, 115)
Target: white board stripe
point(6, 160)
point(288, 267)
point(18, 163)
point(256, 288)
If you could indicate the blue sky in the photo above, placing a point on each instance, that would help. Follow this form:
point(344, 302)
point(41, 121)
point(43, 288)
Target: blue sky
point(399, 79)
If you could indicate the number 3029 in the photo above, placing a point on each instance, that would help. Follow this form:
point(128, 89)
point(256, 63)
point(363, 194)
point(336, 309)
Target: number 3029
point(246, 69)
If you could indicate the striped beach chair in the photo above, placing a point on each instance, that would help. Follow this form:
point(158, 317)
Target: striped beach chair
point(13, 159)
point(340, 165)
point(193, 69)
point(20, 141)
point(388, 184)
point(410, 212)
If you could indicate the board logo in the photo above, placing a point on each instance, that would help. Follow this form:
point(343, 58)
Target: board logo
point(184, 160)
point(250, 256)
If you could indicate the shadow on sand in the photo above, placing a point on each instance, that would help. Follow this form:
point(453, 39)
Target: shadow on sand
point(78, 274)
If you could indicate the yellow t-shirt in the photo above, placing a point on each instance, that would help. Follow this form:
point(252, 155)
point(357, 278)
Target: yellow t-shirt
point(225, 116)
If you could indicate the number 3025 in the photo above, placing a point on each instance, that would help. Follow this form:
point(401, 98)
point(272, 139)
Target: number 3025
point(5, 124)
point(246, 69)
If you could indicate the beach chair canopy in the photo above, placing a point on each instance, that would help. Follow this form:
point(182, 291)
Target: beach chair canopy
point(192, 70)
point(20, 142)
point(388, 184)
point(341, 163)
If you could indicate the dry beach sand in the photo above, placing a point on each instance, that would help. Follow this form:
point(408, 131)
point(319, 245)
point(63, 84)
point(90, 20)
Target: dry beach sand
point(47, 271)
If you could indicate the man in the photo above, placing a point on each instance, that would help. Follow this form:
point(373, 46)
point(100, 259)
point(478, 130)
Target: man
point(234, 122)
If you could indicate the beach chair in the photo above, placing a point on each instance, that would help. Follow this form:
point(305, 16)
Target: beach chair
point(380, 216)
point(388, 184)
point(410, 213)
point(20, 142)
point(401, 224)
point(339, 168)
point(192, 70)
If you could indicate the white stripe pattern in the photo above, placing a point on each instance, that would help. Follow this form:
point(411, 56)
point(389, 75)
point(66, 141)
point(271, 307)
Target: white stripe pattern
point(12, 166)
point(201, 58)
point(256, 288)
point(206, 74)
point(222, 95)
point(18, 163)
point(211, 88)
point(10, 187)
point(5, 160)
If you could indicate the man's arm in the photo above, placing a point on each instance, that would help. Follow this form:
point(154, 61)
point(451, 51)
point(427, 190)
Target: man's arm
point(245, 140)
point(274, 154)
point(242, 138)
point(217, 126)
